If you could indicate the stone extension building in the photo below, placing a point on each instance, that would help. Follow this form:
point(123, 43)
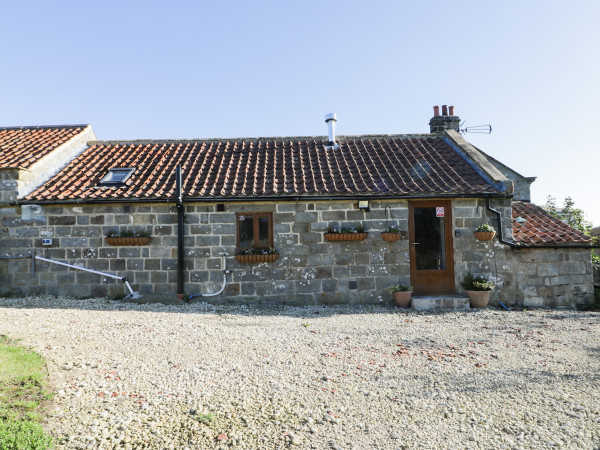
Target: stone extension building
point(62, 192)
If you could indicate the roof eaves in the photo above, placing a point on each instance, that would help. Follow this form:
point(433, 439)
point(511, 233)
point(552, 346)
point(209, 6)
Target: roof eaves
point(254, 198)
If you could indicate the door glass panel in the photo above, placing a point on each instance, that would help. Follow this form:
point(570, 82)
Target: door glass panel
point(246, 229)
point(430, 241)
point(263, 232)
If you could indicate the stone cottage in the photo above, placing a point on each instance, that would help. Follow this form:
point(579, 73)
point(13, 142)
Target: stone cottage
point(247, 219)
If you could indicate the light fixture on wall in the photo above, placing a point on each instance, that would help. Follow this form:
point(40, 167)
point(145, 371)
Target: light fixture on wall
point(364, 205)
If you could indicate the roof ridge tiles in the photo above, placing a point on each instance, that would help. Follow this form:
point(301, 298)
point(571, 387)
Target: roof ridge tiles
point(258, 138)
point(41, 127)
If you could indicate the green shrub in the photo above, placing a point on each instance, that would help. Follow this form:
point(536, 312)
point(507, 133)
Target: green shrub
point(399, 287)
point(476, 283)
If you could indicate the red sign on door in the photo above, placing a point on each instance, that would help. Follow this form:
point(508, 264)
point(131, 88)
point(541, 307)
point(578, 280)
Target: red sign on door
point(439, 211)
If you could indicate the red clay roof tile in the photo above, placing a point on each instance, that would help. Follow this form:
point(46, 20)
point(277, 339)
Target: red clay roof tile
point(269, 167)
point(23, 146)
point(533, 226)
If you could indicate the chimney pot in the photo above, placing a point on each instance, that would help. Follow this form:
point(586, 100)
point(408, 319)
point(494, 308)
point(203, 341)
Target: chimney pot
point(438, 124)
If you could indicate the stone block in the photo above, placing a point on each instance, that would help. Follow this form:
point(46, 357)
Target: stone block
point(74, 242)
point(291, 207)
point(207, 241)
point(281, 228)
point(308, 286)
point(247, 289)
point(157, 278)
point(166, 219)
point(129, 252)
point(285, 240)
point(333, 216)
point(307, 217)
point(359, 271)
point(98, 264)
point(168, 264)
point(224, 229)
point(228, 240)
point(320, 227)
point(324, 272)
point(547, 270)
point(163, 230)
point(340, 272)
point(345, 259)
point(86, 231)
point(117, 265)
point(224, 217)
point(62, 220)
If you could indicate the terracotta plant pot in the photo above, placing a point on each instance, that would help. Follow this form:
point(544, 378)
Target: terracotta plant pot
point(256, 258)
point(403, 299)
point(128, 240)
point(390, 237)
point(346, 236)
point(478, 299)
point(484, 235)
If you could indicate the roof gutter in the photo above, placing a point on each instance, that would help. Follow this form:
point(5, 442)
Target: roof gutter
point(500, 232)
point(288, 198)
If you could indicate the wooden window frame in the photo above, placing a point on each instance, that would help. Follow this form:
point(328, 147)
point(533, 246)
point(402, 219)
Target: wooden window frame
point(255, 216)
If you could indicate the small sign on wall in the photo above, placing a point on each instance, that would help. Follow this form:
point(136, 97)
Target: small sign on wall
point(439, 211)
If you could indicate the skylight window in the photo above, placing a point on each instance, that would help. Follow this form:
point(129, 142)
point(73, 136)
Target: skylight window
point(116, 177)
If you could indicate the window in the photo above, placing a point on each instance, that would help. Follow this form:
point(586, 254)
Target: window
point(254, 230)
point(116, 177)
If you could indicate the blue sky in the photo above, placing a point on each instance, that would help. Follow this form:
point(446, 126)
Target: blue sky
point(191, 69)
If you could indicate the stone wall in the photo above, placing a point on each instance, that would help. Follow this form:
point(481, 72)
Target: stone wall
point(487, 258)
point(309, 269)
point(553, 277)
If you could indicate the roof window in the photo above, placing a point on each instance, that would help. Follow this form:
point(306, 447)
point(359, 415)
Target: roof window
point(116, 177)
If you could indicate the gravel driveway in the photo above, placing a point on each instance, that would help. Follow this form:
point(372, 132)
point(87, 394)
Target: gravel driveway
point(202, 376)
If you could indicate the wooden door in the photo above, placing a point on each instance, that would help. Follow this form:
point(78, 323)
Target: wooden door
point(431, 251)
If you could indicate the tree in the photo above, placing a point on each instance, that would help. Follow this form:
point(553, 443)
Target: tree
point(574, 217)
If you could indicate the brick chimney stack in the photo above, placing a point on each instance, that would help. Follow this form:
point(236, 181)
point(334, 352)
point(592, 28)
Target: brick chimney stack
point(446, 121)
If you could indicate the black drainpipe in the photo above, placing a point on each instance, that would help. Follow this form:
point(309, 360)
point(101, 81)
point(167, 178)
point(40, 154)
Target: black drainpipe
point(180, 211)
point(500, 232)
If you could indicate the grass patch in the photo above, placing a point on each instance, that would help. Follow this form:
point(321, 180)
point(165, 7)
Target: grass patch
point(23, 380)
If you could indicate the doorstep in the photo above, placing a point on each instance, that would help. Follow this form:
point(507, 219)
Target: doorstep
point(432, 302)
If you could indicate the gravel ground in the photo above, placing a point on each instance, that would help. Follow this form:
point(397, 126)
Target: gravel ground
point(203, 376)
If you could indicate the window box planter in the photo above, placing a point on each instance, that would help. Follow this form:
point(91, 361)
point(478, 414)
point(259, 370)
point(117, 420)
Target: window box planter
point(128, 240)
point(390, 237)
point(259, 258)
point(484, 235)
point(346, 236)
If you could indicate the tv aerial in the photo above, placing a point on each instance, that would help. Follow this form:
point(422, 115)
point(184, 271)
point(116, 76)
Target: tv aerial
point(477, 129)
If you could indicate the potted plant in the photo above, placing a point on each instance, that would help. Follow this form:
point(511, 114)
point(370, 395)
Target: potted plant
point(256, 255)
point(335, 233)
point(477, 289)
point(484, 232)
point(128, 237)
point(391, 233)
point(402, 294)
